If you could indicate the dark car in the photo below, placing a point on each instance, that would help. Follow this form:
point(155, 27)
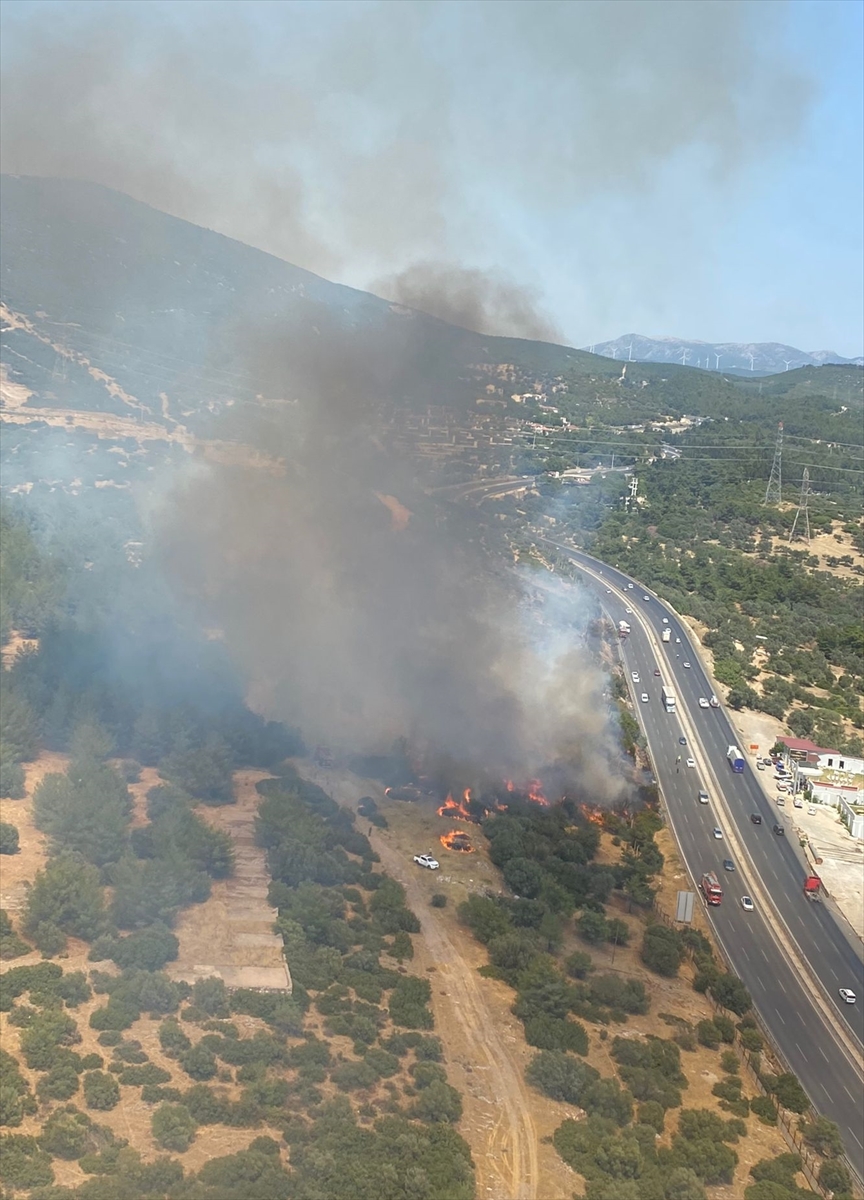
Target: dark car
point(682, 741)
point(728, 864)
point(755, 818)
point(779, 830)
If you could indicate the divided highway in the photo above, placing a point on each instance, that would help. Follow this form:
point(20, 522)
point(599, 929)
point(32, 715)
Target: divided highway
point(790, 952)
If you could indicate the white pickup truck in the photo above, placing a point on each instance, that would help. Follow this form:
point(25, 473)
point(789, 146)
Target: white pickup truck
point(426, 860)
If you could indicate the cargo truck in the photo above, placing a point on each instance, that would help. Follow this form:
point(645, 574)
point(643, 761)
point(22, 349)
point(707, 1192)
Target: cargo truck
point(623, 628)
point(666, 635)
point(668, 697)
point(812, 887)
point(711, 888)
point(736, 759)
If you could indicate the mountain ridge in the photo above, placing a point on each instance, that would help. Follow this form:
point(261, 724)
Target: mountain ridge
point(765, 358)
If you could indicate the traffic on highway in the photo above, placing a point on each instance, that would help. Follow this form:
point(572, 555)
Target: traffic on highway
point(791, 953)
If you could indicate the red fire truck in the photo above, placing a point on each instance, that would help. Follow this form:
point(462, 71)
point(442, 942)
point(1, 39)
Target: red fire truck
point(711, 888)
point(812, 887)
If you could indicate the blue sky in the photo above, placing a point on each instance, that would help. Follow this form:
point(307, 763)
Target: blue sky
point(690, 169)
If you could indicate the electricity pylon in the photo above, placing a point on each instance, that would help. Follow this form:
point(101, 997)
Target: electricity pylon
point(774, 490)
point(803, 507)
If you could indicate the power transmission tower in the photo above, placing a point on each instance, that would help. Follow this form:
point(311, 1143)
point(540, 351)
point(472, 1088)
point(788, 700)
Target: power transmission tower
point(630, 498)
point(774, 490)
point(803, 506)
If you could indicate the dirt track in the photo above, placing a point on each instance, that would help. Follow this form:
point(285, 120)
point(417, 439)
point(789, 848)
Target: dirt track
point(498, 1123)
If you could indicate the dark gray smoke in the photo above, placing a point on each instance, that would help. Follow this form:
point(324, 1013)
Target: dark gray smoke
point(365, 613)
point(357, 140)
point(484, 301)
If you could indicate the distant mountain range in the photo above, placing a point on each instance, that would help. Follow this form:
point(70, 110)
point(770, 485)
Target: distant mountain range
point(760, 358)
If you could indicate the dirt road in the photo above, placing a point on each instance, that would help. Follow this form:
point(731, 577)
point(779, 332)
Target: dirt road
point(497, 1121)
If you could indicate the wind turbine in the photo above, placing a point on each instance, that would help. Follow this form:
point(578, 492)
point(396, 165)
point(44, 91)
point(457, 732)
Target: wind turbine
point(752, 358)
point(614, 351)
point(718, 357)
point(685, 354)
point(787, 361)
point(630, 355)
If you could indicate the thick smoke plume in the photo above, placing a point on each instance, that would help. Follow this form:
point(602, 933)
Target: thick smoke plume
point(360, 139)
point(366, 613)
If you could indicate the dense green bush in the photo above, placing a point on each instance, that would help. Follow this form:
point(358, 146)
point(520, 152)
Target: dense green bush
point(765, 1109)
point(23, 1164)
point(662, 950)
point(66, 895)
point(174, 1127)
point(556, 1033)
point(559, 1076)
point(787, 1091)
point(101, 1090)
point(408, 1003)
point(8, 838)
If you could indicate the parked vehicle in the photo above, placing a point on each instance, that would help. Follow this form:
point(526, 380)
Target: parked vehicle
point(426, 860)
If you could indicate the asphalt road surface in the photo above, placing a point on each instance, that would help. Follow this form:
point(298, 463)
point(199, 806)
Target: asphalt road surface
point(790, 952)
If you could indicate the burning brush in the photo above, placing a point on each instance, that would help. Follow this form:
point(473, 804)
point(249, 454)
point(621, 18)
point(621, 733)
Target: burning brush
point(457, 839)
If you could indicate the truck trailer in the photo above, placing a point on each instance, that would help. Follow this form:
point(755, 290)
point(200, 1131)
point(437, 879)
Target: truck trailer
point(667, 695)
point(736, 759)
point(711, 888)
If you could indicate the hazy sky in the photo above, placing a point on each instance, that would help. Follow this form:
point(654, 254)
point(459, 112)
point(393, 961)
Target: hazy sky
point(662, 167)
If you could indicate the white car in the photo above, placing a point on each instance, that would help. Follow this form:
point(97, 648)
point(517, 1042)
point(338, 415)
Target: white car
point(747, 904)
point(781, 800)
point(665, 620)
point(714, 702)
point(629, 611)
point(646, 597)
point(608, 591)
point(426, 860)
point(691, 762)
point(848, 995)
point(634, 675)
point(686, 666)
point(703, 797)
point(718, 833)
point(644, 697)
point(630, 587)
point(760, 766)
point(677, 641)
point(703, 703)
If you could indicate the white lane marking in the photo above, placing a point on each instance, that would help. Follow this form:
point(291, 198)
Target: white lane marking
point(848, 1093)
point(779, 1014)
point(822, 1052)
point(801, 1052)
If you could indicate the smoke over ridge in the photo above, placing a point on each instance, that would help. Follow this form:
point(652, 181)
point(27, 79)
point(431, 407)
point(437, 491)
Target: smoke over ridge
point(360, 140)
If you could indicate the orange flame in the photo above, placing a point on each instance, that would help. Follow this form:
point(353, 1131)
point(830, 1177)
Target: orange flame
point(452, 808)
point(457, 839)
point(535, 792)
point(595, 815)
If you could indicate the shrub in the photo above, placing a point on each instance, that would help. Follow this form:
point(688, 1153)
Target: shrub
point(148, 1074)
point(592, 927)
point(211, 996)
point(353, 1075)
point(823, 1136)
point(834, 1176)
point(408, 1003)
point(559, 1076)
point(708, 1035)
point(752, 1040)
point(765, 1109)
point(67, 1133)
point(60, 1083)
point(173, 1127)
point(199, 1062)
point(172, 1039)
point(8, 838)
point(556, 1033)
point(729, 992)
point(729, 1062)
point(147, 949)
point(438, 1103)
point(579, 965)
point(662, 950)
point(653, 1114)
point(100, 1090)
point(23, 1164)
point(627, 995)
point(788, 1092)
point(439, 900)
